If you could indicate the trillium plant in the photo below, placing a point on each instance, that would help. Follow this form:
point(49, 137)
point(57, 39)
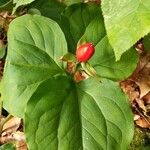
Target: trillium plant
point(63, 64)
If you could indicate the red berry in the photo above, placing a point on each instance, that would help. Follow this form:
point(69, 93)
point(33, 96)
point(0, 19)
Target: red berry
point(85, 52)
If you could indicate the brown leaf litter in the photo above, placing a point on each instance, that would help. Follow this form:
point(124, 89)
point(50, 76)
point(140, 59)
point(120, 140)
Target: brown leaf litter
point(12, 133)
point(137, 87)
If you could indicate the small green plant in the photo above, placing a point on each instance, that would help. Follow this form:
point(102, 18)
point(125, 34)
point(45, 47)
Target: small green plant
point(61, 69)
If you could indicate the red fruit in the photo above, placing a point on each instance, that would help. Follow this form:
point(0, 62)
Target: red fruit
point(85, 52)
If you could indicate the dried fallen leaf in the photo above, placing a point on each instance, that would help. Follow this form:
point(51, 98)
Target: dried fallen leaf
point(6, 138)
point(141, 105)
point(20, 143)
point(18, 136)
point(142, 122)
point(12, 125)
point(136, 117)
point(131, 89)
point(146, 98)
point(143, 78)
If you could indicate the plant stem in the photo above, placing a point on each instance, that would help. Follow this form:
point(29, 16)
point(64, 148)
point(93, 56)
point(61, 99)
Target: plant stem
point(4, 121)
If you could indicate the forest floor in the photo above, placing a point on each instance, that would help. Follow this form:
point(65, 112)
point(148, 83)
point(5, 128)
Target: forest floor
point(137, 87)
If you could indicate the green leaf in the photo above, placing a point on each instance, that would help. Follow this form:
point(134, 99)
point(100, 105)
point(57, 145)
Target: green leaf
point(49, 8)
point(20, 3)
point(6, 4)
point(126, 22)
point(74, 21)
point(2, 49)
point(106, 115)
point(8, 146)
point(85, 116)
point(104, 58)
point(69, 57)
point(35, 45)
point(146, 42)
point(2, 52)
point(88, 69)
point(70, 2)
point(106, 66)
point(34, 11)
point(95, 31)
